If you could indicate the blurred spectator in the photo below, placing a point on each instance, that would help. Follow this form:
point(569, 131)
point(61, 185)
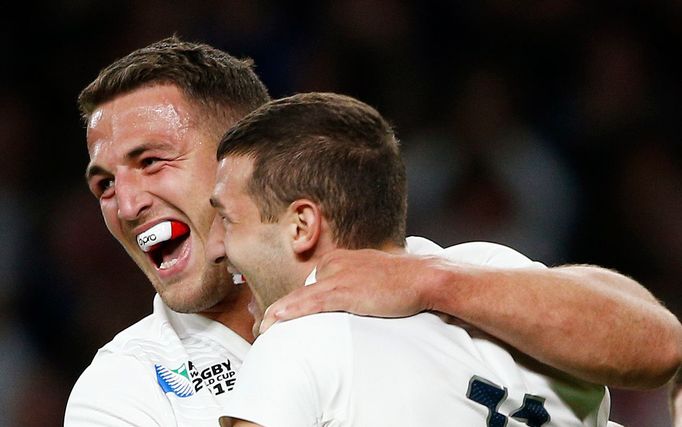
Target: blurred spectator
point(84, 291)
point(492, 178)
point(18, 360)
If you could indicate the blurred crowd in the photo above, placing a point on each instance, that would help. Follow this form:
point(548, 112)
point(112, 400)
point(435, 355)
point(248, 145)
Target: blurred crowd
point(552, 127)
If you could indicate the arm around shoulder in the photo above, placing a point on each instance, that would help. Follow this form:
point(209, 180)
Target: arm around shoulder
point(116, 391)
point(589, 321)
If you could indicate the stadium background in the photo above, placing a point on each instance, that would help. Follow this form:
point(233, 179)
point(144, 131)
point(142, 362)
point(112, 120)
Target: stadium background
point(552, 127)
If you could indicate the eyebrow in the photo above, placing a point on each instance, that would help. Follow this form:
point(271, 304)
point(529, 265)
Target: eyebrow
point(93, 170)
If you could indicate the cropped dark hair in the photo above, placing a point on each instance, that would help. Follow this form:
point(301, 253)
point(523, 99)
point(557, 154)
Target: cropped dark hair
point(333, 150)
point(206, 75)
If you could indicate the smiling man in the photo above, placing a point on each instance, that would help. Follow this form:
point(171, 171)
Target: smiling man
point(153, 122)
point(147, 143)
point(154, 119)
point(348, 190)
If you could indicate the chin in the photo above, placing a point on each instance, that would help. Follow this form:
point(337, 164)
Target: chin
point(186, 297)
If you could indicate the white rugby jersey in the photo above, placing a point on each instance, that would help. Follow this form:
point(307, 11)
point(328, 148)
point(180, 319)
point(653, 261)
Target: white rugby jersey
point(169, 369)
point(338, 369)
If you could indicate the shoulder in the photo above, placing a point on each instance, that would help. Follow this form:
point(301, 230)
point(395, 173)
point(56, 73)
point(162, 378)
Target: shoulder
point(152, 338)
point(145, 340)
point(478, 253)
point(294, 373)
point(116, 389)
point(307, 330)
point(490, 254)
point(120, 385)
point(110, 371)
point(417, 245)
point(317, 341)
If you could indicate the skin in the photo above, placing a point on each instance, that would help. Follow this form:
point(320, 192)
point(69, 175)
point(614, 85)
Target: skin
point(597, 345)
point(151, 160)
point(296, 241)
point(259, 243)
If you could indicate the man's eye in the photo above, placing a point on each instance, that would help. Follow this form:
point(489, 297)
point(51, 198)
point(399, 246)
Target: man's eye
point(105, 186)
point(148, 161)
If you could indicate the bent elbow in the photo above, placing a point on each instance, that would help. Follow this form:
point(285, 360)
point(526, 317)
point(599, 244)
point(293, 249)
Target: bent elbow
point(663, 362)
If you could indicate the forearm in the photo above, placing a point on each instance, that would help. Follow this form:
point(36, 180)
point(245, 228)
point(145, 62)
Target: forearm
point(590, 322)
point(593, 323)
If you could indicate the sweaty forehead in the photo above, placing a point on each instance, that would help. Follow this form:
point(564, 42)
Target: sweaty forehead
point(159, 109)
point(152, 117)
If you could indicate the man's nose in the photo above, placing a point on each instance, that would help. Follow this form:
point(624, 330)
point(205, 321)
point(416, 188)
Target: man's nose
point(215, 248)
point(131, 197)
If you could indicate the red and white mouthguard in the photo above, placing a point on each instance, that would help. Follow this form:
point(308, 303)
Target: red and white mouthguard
point(161, 232)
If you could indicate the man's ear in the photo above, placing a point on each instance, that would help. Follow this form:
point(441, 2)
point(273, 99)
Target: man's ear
point(304, 225)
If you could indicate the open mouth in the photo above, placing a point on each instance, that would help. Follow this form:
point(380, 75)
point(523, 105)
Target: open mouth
point(164, 243)
point(166, 254)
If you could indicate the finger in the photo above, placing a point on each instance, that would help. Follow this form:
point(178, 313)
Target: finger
point(269, 319)
point(301, 302)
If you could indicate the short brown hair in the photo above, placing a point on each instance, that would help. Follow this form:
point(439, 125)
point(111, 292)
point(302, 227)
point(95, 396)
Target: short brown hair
point(334, 150)
point(206, 75)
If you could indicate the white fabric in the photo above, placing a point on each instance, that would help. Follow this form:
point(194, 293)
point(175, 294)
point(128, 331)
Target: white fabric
point(338, 369)
point(123, 385)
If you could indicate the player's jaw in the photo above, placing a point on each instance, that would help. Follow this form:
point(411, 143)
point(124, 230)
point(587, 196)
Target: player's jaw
point(170, 251)
point(198, 292)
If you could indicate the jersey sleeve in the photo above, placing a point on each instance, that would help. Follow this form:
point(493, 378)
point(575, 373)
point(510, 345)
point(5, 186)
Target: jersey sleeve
point(116, 391)
point(478, 253)
point(290, 376)
point(489, 254)
point(417, 245)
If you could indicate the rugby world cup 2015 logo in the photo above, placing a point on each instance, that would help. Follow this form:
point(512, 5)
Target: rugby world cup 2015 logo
point(174, 381)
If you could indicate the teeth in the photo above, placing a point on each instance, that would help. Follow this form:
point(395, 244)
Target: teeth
point(168, 264)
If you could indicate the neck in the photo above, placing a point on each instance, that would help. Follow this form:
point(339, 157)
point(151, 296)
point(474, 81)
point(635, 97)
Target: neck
point(392, 248)
point(234, 314)
point(306, 267)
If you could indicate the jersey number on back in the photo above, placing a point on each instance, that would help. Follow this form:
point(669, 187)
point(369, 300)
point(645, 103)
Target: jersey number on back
point(491, 396)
